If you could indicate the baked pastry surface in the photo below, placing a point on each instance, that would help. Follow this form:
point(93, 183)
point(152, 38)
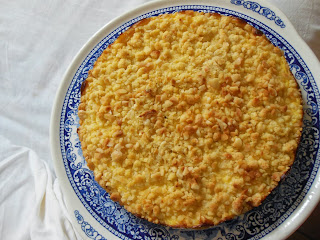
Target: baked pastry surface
point(190, 119)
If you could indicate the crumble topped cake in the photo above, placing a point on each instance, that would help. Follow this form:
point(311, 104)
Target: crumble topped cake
point(190, 119)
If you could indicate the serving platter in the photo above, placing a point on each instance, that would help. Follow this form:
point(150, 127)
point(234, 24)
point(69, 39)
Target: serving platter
point(96, 216)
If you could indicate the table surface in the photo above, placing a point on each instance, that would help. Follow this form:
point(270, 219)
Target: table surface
point(310, 229)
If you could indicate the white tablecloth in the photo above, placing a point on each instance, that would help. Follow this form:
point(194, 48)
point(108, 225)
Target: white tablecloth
point(38, 41)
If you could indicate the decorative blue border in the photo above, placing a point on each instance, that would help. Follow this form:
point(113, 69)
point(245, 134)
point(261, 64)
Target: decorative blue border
point(87, 228)
point(264, 11)
point(254, 224)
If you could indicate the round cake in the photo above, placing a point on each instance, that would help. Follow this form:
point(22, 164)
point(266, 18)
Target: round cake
point(190, 119)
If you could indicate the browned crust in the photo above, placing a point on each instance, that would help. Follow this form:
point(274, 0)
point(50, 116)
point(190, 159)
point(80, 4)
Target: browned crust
point(148, 113)
point(116, 196)
point(83, 87)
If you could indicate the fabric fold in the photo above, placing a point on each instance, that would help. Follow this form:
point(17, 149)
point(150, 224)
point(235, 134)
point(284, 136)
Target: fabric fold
point(31, 200)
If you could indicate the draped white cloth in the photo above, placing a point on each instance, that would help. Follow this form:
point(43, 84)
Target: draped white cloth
point(39, 39)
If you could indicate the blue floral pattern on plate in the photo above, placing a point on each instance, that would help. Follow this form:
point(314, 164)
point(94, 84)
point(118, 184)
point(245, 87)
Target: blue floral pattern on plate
point(264, 11)
point(87, 228)
point(256, 223)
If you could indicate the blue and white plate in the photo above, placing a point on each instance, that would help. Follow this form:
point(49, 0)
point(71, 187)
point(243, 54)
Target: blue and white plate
point(96, 216)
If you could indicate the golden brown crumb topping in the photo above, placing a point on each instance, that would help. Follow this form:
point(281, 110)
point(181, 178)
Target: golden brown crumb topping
point(189, 119)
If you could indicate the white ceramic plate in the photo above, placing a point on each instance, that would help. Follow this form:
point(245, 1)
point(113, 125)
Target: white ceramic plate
point(95, 216)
